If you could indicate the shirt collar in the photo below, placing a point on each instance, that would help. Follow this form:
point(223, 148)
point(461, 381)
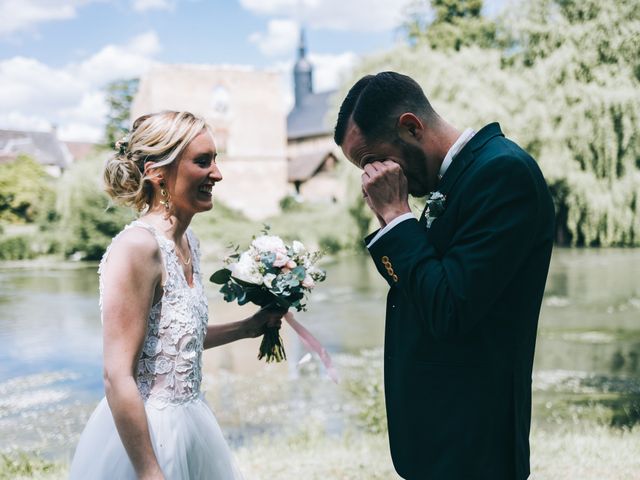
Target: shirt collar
point(455, 149)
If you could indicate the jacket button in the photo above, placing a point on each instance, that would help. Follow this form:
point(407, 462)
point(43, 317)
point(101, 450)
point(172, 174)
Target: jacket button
point(395, 278)
point(385, 259)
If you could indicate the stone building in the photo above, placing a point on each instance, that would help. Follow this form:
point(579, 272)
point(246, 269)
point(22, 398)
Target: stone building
point(246, 111)
point(313, 155)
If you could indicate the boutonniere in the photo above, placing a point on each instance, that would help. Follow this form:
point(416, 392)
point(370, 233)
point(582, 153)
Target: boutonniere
point(435, 207)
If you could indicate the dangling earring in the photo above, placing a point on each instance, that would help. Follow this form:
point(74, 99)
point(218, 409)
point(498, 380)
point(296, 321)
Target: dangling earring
point(165, 198)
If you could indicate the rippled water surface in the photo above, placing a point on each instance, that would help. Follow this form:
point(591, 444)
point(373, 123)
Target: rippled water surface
point(50, 348)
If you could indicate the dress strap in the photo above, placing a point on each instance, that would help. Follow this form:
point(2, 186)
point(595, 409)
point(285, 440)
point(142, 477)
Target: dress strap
point(136, 223)
point(194, 246)
point(148, 227)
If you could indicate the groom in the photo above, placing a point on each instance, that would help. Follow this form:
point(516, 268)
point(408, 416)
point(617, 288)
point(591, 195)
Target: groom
point(466, 280)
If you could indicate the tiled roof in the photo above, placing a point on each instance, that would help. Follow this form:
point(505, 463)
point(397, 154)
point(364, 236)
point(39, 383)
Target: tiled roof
point(44, 147)
point(310, 118)
point(303, 167)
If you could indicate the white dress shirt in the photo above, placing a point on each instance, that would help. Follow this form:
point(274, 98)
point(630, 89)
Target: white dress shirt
point(448, 158)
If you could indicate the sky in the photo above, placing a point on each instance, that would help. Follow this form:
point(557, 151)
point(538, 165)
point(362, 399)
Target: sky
point(56, 56)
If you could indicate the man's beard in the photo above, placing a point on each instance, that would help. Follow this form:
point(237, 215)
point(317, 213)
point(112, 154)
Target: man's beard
point(415, 168)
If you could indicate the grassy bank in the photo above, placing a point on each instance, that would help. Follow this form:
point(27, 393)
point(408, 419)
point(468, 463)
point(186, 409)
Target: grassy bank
point(594, 453)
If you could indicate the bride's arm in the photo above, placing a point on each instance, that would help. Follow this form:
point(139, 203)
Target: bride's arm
point(250, 327)
point(130, 276)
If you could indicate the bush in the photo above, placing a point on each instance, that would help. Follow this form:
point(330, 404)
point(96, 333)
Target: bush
point(16, 248)
point(25, 191)
point(289, 203)
point(329, 244)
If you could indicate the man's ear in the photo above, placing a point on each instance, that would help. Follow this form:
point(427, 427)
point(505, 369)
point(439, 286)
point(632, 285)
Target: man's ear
point(410, 128)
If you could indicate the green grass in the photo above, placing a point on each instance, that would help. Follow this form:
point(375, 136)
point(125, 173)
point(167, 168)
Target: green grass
point(585, 453)
point(19, 465)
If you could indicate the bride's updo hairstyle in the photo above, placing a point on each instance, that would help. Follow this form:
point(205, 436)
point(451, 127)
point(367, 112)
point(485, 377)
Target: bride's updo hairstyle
point(159, 138)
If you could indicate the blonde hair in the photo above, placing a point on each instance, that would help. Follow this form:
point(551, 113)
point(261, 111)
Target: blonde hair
point(159, 138)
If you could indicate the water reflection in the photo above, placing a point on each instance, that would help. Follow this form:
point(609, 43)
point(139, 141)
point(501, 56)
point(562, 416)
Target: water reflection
point(50, 346)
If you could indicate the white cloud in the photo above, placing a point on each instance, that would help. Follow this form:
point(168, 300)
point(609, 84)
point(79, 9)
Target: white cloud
point(330, 70)
point(116, 61)
point(280, 39)
point(19, 121)
point(18, 15)
point(144, 5)
point(80, 132)
point(35, 96)
point(358, 15)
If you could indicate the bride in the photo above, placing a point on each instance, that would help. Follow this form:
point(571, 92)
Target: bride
point(154, 422)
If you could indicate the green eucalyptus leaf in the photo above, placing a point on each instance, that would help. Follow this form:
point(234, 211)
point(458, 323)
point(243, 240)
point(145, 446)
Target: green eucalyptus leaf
point(221, 276)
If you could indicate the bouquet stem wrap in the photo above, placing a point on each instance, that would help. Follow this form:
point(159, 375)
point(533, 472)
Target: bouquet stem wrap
point(312, 343)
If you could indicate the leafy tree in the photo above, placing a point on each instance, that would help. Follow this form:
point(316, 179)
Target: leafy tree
point(88, 220)
point(25, 190)
point(120, 94)
point(449, 24)
point(567, 90)
point(583, 58)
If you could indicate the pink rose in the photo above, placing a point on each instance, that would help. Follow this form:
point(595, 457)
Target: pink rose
point(281, 260)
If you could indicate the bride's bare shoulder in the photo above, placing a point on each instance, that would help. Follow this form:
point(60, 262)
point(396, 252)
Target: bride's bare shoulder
point(135, 245)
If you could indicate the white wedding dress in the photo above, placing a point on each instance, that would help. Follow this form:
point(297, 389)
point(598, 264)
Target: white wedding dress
point(186, 437)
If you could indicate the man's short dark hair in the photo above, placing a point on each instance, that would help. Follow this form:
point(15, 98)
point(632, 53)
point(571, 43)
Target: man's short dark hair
point(376, 101)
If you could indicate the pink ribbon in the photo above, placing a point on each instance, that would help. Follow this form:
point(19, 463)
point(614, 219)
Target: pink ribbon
point(312, 344)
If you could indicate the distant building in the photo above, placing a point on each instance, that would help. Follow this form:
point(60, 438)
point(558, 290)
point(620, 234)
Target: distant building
point(81, 150)
point(312, 153)
point(44, 147)
point(246, 111)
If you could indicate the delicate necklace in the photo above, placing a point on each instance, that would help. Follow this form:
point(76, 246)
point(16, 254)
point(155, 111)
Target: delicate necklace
point(182, 260)
point(179, 255)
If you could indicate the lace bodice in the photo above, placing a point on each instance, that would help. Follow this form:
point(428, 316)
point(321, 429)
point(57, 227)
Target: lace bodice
point(169, 369)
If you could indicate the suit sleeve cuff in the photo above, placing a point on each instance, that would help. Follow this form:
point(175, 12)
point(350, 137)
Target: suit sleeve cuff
point(388, 227)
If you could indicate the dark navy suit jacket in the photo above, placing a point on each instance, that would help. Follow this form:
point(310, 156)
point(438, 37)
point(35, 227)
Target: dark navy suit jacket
point(462, 315)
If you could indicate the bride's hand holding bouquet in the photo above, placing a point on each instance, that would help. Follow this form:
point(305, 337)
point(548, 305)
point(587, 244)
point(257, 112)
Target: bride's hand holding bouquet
point(274, 275)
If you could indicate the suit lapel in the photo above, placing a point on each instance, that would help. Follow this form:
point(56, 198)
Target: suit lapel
point(462, 161)
point(466, 156)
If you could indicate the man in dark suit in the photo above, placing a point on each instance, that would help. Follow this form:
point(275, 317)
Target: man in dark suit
point(466, 280)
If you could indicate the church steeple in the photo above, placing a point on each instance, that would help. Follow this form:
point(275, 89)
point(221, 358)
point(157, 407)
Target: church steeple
point(302, 73)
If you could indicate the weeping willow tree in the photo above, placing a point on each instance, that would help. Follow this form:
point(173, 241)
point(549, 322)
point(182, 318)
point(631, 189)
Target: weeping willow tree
point(584, 58)
point(563, 79)
point(87, 218)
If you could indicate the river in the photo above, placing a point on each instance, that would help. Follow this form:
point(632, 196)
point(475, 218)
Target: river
point(50, 346)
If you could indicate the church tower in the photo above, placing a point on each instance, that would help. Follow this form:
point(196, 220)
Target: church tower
point(302, 73)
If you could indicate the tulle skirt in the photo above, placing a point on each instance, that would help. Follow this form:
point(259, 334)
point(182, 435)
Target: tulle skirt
point(186, 438)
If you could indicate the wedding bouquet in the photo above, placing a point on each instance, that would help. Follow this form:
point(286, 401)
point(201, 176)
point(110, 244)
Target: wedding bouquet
point(271, 273)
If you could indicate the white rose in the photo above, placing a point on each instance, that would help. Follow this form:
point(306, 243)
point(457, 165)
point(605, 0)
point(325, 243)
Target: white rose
point(269, 243)
point(246, 269)
point(298, 248)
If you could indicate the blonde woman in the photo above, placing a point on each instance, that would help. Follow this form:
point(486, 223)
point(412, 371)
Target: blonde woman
point(153, 422)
